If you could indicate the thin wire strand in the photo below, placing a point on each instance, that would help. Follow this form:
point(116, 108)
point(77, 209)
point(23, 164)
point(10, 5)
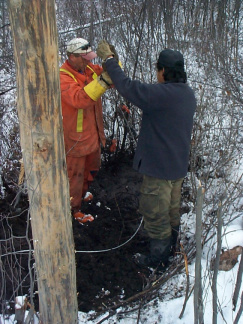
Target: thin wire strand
point(97, 251)
point(117, 247)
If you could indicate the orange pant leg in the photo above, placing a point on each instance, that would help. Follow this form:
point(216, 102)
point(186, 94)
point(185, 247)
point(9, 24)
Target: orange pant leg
point(92, 165)
point(81, 172)
point(75, 169)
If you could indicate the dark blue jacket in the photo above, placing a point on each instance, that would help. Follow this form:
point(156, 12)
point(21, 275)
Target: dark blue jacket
point(164, 140)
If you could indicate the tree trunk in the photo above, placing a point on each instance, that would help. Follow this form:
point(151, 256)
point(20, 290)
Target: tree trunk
point(216, 265)
point(33, 25)
point(198, 290)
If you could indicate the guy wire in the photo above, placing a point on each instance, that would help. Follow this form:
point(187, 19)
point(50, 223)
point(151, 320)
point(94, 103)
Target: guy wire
point(97, 251)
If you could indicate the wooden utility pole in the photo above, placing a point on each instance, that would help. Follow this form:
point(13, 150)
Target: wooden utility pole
point(33, 25)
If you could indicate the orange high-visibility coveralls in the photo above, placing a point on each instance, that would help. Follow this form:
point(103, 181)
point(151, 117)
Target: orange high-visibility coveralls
point(83, 130)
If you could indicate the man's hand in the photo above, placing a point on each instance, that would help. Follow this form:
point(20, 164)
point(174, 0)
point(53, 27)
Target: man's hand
point(104, 50)
point(106, 78)
point(96, 88)
point(112, 47)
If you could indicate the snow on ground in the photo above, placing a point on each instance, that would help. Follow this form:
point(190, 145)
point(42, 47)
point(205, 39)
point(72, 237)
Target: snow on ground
point(167, 310)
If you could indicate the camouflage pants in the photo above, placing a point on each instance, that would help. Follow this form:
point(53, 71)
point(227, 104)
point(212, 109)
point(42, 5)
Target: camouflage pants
point(160, 205)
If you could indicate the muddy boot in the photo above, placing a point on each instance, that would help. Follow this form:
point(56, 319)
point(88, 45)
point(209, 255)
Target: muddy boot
point(158, 257)
point(175, 247)
point(88, 196)
point(83, 218)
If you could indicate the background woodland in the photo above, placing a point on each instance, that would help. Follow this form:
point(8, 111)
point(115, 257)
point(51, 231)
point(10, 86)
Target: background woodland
point(210, 36)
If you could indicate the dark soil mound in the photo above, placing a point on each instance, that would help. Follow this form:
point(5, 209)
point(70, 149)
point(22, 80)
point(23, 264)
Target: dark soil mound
point(105, 277)
point(107, 274)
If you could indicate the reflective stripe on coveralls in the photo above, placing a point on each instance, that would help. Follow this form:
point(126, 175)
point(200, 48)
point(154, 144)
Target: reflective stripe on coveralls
point(80, 117)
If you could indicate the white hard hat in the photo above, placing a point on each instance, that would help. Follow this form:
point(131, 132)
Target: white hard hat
point(81, 46)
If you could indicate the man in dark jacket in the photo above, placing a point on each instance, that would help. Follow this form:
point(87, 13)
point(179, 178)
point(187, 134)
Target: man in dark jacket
point(163, 146)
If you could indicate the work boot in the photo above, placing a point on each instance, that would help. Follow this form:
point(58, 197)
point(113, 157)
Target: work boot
point(158, 257)
point(88, 196)
point(83, 218)
point(174, 240)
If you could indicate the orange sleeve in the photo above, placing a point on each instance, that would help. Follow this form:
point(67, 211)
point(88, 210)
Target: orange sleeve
point(97, 68)
point(73, 94)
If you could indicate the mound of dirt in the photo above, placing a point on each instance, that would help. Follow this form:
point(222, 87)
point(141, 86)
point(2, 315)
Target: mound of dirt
point(105, 270)
point(107, 273)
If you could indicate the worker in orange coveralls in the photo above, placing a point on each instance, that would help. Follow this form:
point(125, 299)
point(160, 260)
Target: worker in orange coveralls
point(82, 84)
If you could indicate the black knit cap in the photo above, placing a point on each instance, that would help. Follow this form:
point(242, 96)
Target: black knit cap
point(171, 59)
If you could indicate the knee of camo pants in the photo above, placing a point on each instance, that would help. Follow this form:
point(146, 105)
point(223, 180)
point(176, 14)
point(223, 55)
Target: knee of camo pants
point(154, 205)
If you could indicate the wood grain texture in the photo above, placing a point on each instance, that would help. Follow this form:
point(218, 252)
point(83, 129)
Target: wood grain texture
point(33, 26)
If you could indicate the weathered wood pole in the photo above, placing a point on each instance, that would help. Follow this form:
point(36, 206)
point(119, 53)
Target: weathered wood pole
point(198, 289)
point(33, 25)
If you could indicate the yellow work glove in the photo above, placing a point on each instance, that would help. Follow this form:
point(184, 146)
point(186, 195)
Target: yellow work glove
point(96, 88)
